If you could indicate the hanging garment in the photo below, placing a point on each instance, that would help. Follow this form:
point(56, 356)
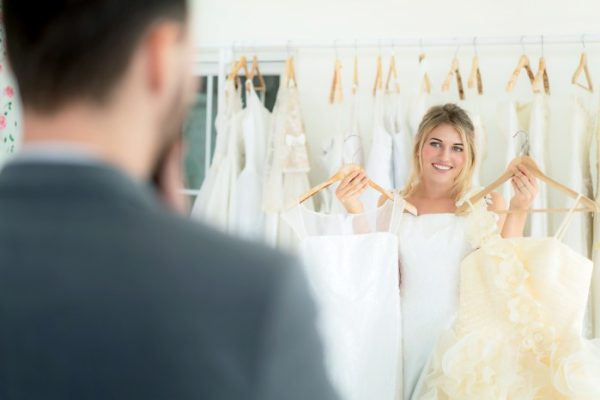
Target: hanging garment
point(472, 109)
point(332, 159)
point(510, 148)
point(379, 165)
point(595, 291)
point(431, 248)
point(538, 127)
point(418, 104)
point(515, 138)
point(401, 140)
point(579, 235)
point(480, 147)
point(352, 151)
point(287, 167)
point(235, 160)
point(249, 215)
point(213, 202)
point(351, 263)
point(517, 334)
point(330, 154)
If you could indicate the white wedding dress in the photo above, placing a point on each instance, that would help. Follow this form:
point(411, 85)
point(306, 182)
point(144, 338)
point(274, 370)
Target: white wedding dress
point(351, 263)
point(249, 217)
point(212, 205)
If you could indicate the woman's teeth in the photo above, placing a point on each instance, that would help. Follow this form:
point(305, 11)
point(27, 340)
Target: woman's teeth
point(442, 167)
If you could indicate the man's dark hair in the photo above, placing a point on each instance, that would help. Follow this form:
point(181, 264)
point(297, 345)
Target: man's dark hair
point(68, 50)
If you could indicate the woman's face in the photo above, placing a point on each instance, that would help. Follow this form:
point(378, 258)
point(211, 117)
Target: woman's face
point(442, 155)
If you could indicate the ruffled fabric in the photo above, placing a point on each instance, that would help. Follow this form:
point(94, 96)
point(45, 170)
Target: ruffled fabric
point(518, 355)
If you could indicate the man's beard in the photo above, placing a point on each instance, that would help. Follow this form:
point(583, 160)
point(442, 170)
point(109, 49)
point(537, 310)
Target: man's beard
point(171, 129)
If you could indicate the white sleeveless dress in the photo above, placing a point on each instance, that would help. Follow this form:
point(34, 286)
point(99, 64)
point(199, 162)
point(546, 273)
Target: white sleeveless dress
point(579, 235)
point(401, 140)
point(380, 162)
point(212, 205)
point(352, 148)
point(287, 166)
point(249, 217)
point(595, 172)
point(351, 263)
point(431, 248)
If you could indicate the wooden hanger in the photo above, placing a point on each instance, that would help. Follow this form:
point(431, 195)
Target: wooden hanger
point(426, 81)
point(583, 67)
point(237, 67)
point(392, 73)
point(541, 76)
point(454, 73)
point(336, 95)
point(255, 73)
point(345, 170)
point(523, 64)
point(355, 76)
point(475, 76)
point(378, 85)
point(529, 163)
point(290, 72)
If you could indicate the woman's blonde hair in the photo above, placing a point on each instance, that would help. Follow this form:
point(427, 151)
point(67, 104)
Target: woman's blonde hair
point(452, 115)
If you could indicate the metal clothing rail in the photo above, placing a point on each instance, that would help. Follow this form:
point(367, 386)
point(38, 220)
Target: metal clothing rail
point(395, 42)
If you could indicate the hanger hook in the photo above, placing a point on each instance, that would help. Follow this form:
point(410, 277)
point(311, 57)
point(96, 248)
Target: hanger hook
point(288, 47)
point(583, 41)
point(421, 45)
point(393, 46)
point(475, 45)
point(457, 47)
point(523, 44)
point(542, 45)
point(525, 145)
point(355, 47)
point(335, 47)
point(379, 46)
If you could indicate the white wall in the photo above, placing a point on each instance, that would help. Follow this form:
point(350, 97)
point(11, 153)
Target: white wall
point(227, 20)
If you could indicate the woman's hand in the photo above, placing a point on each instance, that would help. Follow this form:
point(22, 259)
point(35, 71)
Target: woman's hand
point(350, 189)
point(525, 187)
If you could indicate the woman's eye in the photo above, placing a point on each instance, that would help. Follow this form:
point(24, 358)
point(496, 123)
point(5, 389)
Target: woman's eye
point(458, 149)
point(435, 144)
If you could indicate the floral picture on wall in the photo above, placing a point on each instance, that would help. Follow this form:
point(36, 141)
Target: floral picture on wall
point(10, 126)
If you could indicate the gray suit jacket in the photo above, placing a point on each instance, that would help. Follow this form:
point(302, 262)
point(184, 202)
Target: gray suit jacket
point(104, 294)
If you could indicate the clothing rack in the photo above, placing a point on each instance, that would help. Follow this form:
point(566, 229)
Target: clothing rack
point(399, 42)
point(214, 59)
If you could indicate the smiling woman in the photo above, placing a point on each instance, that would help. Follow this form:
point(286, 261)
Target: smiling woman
point(444, 153)
point(432, 244)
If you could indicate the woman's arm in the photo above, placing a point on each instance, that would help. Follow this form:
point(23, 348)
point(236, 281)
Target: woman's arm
point(525, 187)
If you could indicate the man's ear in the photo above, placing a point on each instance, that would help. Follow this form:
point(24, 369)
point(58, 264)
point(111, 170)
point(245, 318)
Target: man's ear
point(161, 46)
